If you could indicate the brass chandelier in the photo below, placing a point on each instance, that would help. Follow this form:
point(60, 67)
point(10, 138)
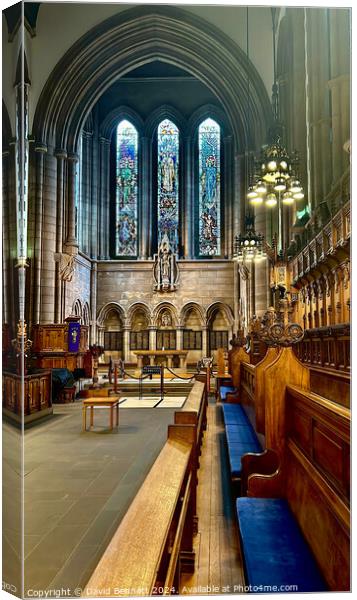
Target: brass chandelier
point(249, 246)
point(276, 177)
point(275, 180)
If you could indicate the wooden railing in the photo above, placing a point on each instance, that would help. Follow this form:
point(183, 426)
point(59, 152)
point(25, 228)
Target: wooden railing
point(327, 347)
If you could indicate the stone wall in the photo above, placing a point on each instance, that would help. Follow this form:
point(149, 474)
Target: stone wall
point(79, 287)
point(207, 285)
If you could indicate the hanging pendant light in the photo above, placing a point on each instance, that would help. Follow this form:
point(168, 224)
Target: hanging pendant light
point(276, 172)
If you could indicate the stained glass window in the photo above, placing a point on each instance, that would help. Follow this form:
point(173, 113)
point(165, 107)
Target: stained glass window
point(126, 189)
point(209, 236)
point(168, 184)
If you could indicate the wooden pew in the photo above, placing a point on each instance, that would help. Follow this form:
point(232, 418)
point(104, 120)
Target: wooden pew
point(314, 479)
point(228, 388)
point(153, 543)
point(246, 445)
point(194, 411)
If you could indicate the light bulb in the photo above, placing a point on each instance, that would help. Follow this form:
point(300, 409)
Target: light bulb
point(256, 201)
point(280, 185)
point(299, 196)
point(252, 193)
point(272, 165)
point(261, 187)
point(295, 186)
point(271, 200)
point(288, 198)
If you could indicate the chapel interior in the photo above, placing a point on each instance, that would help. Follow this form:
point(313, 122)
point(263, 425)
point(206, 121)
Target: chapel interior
point(176, 299)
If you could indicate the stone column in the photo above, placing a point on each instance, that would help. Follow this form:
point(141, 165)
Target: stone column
point(236, 295)
point(205, 334)
point(239, 196)
point(7, 290)
point(61, 155)
point(72, 160)
point(144, 208)
point(95, 212)
point(126, 342)
point(152, 337)
point(179, 337)
point(104, 198)
point(93, 302)
point(40, 150)
point(227, 199)
point(86, 190)
point(188, 204)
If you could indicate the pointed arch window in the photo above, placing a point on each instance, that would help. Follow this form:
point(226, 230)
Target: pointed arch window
point(209, 195)
point(168, 182)
point(126, 190)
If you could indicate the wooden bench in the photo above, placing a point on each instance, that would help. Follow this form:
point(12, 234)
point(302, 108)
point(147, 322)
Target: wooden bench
point(241, 419)
point(311, 482)
point(275, 552)
point(154, 541)
point(241, 439)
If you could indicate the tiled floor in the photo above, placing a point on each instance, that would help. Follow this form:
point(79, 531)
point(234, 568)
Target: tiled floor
point(79, 485)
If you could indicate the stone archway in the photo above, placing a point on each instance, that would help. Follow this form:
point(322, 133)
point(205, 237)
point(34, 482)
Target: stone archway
point(140, 35)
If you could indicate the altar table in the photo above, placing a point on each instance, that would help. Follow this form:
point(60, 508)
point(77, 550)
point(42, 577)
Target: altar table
point(162, 357)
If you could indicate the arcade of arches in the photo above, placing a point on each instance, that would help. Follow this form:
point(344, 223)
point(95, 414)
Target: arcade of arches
point(141, 127)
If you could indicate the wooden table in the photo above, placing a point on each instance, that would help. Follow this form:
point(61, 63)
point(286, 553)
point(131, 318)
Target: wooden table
point(111, 402)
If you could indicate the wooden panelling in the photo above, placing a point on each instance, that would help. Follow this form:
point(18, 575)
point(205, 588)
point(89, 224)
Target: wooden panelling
point(322, 516)
point(236, 356)
point(301, 430)
point(285, 370)
point(322, 430)
point(259, 391)
point(328, 452)
point(331, 384)
point(50, 347)
point(37, 392)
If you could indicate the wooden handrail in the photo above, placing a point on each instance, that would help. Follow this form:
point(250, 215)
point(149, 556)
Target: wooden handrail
point(177, 542)
point(194, 398)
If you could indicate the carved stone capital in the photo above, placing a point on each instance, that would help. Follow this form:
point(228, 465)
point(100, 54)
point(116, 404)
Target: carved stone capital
point(66, 265)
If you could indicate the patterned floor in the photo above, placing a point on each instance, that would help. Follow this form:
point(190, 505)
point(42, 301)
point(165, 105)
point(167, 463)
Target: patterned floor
point(153, 402)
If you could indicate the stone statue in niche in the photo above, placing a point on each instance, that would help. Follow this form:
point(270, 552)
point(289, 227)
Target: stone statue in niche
point(166, 319)
point(165, 267)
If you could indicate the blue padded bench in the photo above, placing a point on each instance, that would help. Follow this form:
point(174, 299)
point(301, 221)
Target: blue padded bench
point(241, 437)
point(226, 389)
point(274, 549)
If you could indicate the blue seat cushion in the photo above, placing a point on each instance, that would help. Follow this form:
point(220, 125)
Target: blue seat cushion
point(234, 414)
point(226, 389)
point(235, 452)
point(275, 552)
point(240, 434)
